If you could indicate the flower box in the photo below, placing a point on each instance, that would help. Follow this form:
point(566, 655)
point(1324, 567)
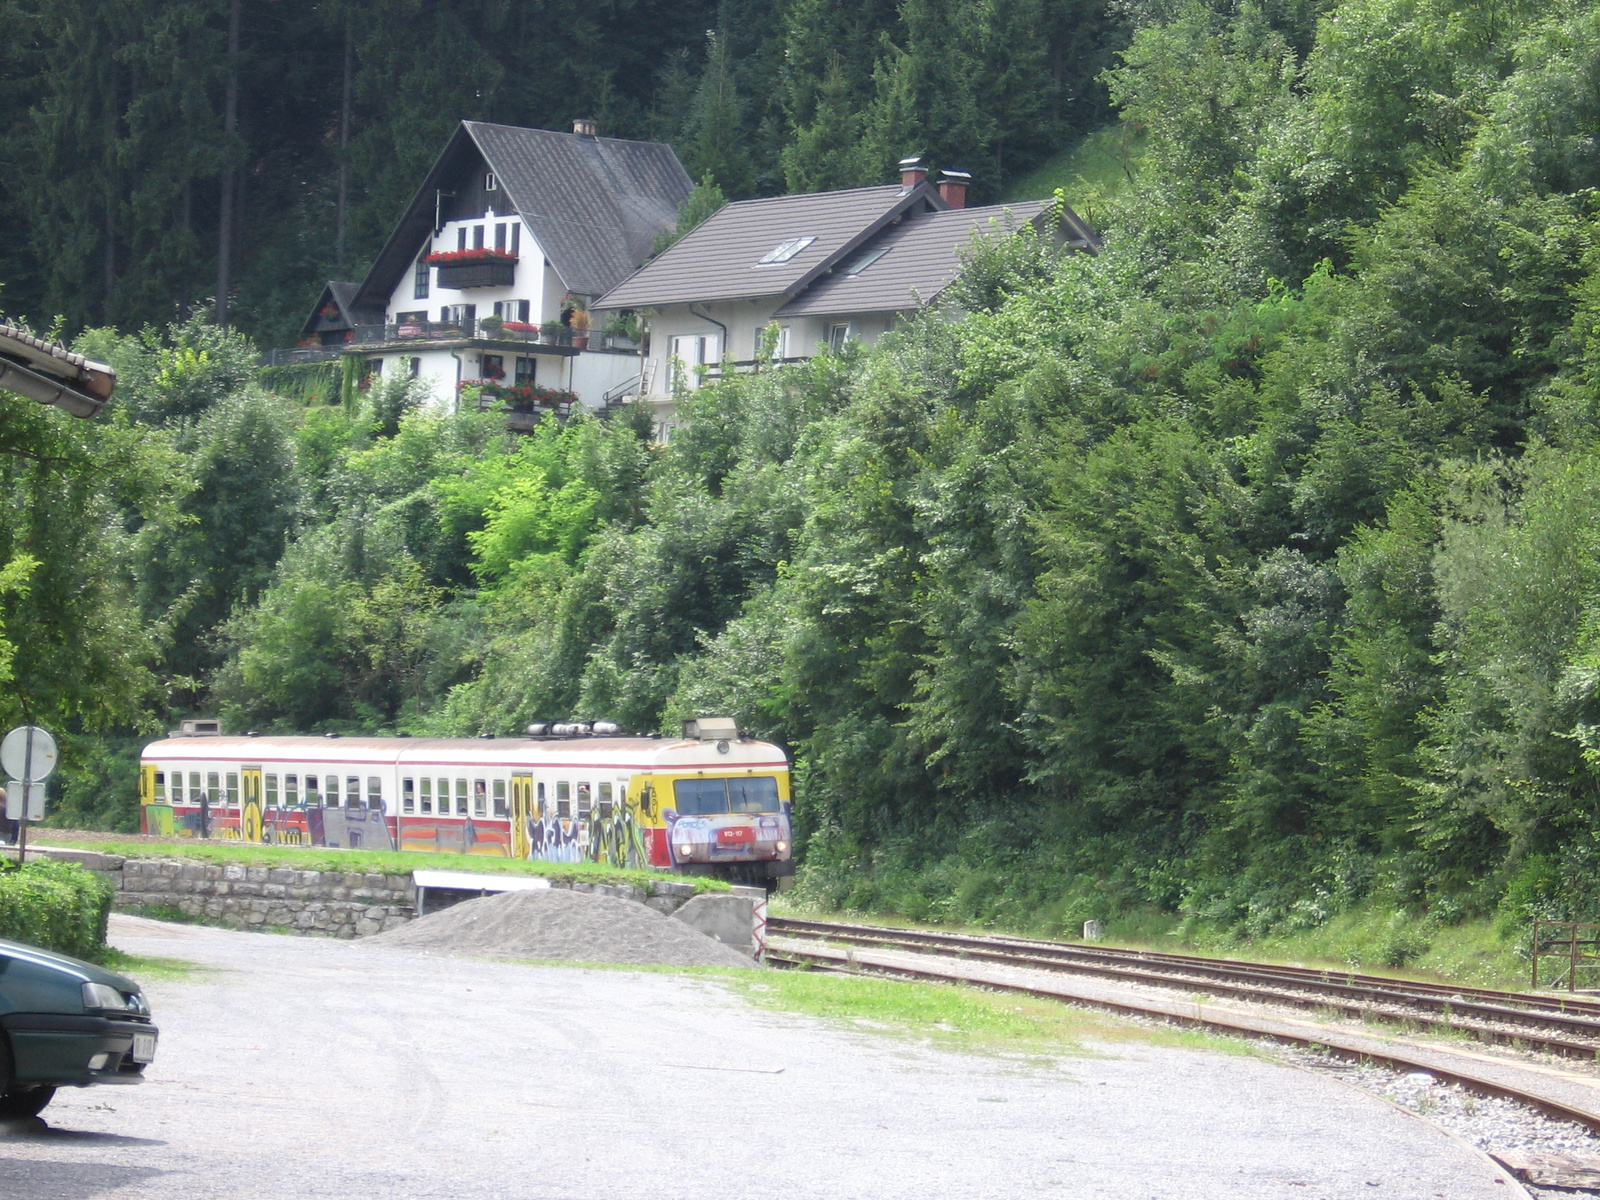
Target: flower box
point(445, 258)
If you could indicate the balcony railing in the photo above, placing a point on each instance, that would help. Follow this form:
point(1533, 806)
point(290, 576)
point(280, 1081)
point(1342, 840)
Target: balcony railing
point(364, 339)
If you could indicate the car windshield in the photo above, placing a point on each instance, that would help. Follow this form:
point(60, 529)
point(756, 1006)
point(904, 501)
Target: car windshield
point(747, 794)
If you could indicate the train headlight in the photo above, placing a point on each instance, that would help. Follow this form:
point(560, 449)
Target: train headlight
point(685, 851)
point(782, 846)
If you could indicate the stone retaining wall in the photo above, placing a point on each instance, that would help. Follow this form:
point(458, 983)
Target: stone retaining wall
point(326, 903)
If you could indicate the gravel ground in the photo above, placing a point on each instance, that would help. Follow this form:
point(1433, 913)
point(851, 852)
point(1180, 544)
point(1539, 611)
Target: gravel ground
point(309, 1068)
point(1489, 1122)
point(562, 925)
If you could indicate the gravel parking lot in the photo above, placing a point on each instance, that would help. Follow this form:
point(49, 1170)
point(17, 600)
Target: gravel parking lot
point(308, 1068)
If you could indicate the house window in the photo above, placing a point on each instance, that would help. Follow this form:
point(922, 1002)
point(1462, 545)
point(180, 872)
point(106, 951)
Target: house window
point(477, 237)
point(865, 261)
point(416, 368)
point(516, 239)
point(838, 337)
point(780, 343)
point(419, 286)
point(458, 314)
point(490, 183)
point(493, 366)
point(687, 354)
point(500, 236)
point(461, 238)
point(784, 251)
point(524, 311)
point(525, 368)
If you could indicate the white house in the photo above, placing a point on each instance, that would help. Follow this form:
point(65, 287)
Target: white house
point(824, 269)
point(489, 274)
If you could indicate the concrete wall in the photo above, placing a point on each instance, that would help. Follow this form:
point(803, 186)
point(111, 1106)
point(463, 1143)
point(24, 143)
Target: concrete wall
point(317, 903)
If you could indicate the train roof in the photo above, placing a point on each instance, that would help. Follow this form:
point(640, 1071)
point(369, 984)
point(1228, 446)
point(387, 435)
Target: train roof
point(602, 752)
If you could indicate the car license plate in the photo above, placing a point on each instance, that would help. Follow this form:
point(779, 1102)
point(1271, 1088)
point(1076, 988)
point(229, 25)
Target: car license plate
point(144, 1047)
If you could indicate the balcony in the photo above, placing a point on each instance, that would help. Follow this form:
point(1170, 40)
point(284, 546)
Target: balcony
point(486, 334)
point(461, 276)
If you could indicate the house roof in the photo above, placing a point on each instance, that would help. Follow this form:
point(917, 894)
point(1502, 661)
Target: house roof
point(912, 262)
point(342, 294)
point(721, 259)
point(594, 204)
point(52, 374)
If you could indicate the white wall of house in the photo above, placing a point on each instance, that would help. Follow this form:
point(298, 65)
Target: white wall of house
point(533, 280)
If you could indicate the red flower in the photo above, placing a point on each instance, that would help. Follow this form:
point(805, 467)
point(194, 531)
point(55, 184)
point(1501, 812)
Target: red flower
point(483, 254)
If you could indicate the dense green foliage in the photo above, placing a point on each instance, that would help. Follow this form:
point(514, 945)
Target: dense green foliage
point(117, 147)
point(58, 906)
point(1245, 571)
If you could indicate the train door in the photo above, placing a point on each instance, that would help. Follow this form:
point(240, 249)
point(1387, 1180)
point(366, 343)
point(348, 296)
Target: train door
point(648, 800)
point(521, 810)
point(250, 804)
point(155, 812)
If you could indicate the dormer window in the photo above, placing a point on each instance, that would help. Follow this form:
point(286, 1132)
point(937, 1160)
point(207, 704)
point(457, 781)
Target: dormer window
point(865, 261)
point(784, 251)
point(490, 183)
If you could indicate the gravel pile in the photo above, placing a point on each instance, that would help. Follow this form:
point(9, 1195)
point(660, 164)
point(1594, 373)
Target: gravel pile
point(561, 925)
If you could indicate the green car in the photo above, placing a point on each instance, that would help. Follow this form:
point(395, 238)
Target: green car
point(66, 1023)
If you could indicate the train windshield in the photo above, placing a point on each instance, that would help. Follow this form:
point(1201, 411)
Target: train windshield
point(705, 797)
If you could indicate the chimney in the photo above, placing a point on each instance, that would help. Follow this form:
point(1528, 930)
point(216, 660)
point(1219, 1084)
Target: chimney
point(584, 126)
point(912, 172)
point(953, 187)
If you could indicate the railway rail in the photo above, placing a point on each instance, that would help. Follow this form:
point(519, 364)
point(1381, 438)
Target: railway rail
point(1558, 1025)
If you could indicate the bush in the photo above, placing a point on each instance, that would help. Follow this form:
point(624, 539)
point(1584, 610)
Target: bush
point(56, 906)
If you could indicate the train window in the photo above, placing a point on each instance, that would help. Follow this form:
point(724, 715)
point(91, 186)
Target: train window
point(698, 797)
point(330, 791)
point(213, 786)
point(444, 797)
point(753, 794)
point(563, 798)
point(291, 791)
point(480, 798)
point(233, 791)
point(161, 787)
point(427, 795)
point(312, 799)
point(605, 801)
point(272, 791)
point(461, 797)
point(584, 798)
point(352, 791)
point(375, 793)
point(408, 795)
point(194, 787)
point(499, 797)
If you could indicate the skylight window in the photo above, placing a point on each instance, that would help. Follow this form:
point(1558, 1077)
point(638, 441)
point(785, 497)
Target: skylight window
point(865, 261)
point(784, 251)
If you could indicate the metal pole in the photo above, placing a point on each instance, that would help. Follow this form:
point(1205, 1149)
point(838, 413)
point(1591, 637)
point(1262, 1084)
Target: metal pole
point(27, 797)
point(1572, 976)
point(1535, 954)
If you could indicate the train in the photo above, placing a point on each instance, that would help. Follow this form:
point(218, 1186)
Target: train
point(711, 802)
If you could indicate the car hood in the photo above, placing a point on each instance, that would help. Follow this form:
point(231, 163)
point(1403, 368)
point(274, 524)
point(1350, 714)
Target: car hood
point(65, 962)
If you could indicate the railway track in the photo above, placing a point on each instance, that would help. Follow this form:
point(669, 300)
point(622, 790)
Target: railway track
point(1553, 1024)
point(1569, 1027)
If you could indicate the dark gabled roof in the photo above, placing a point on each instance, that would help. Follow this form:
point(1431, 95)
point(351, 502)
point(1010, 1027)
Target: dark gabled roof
point(721, 260)
point(343, 295)
point(921, 256)
point(595, 205)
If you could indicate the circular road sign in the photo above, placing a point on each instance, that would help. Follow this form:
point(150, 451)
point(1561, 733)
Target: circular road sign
point(14, 753)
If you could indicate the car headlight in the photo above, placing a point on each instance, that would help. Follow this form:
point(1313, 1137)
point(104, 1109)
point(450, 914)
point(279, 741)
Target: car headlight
point(100, 995)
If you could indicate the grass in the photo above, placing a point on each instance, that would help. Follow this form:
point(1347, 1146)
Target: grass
point(146, 967)
point(951, 1017)
point(369, 862)
point(1091, 172)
